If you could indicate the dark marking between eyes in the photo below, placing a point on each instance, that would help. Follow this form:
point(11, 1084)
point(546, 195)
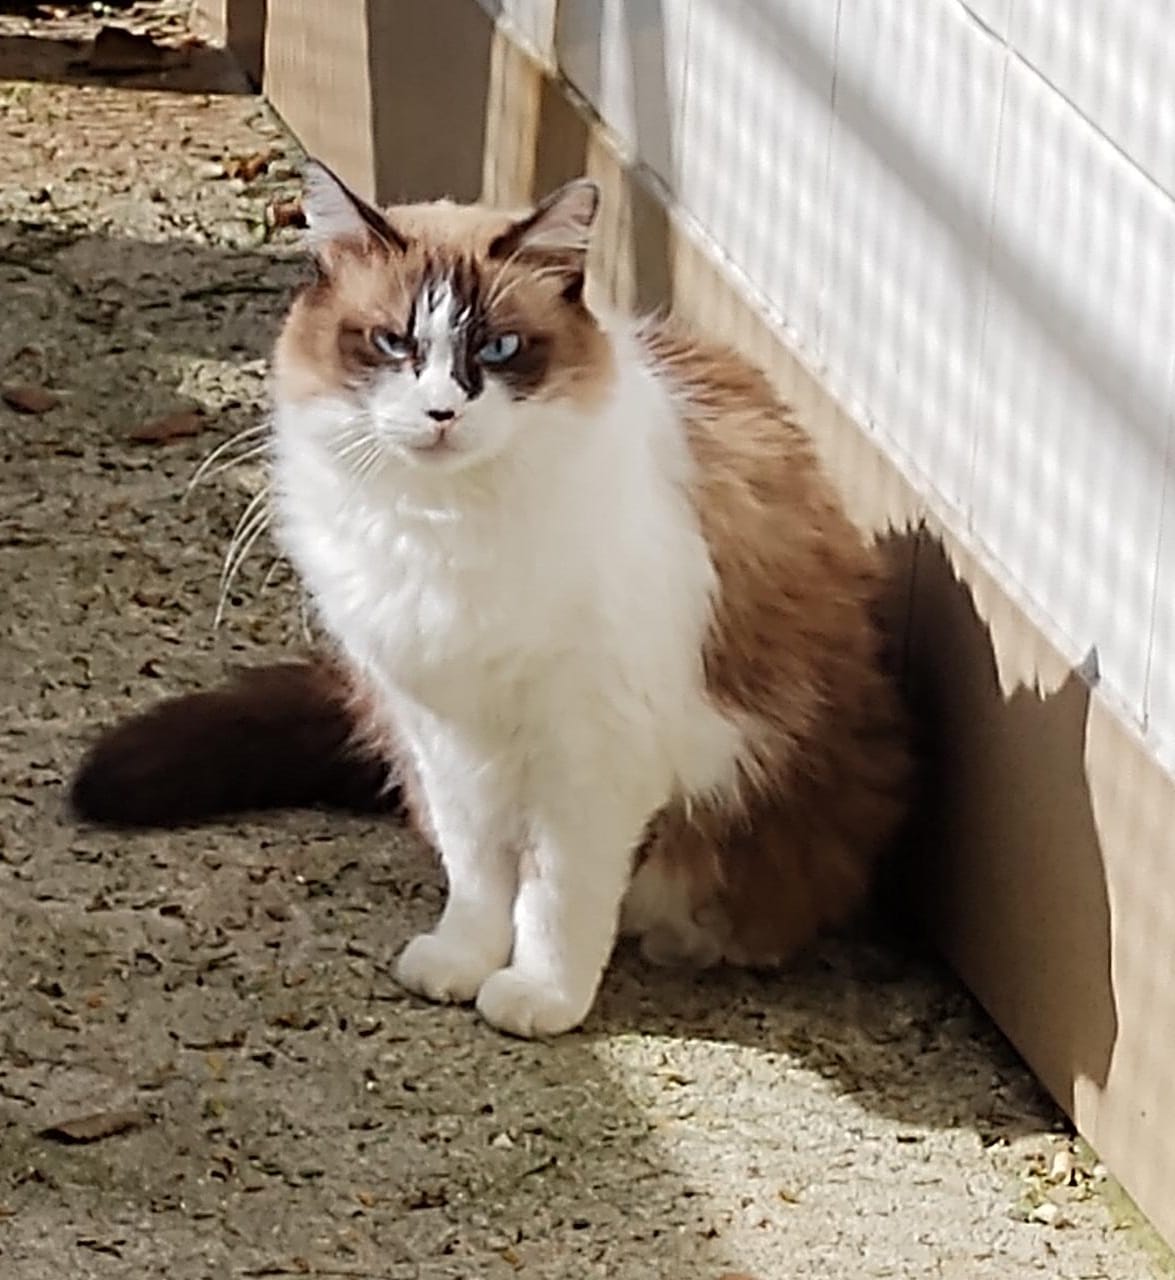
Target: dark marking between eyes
point(467, 372)
point(463, 277)
point(523, 373)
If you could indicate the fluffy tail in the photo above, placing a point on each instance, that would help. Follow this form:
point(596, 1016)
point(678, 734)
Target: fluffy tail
point(278, 737)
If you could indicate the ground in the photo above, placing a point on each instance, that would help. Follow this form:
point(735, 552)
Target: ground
point(223, 998)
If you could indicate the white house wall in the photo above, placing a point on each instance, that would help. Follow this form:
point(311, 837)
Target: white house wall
point(961, 212)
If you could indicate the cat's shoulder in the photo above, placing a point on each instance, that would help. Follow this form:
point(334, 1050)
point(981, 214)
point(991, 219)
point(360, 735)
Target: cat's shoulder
point(706, 369)
point(733, 417)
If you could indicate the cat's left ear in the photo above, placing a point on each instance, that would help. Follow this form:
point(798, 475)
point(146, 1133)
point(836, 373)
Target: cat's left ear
point(336, 216)
point(558, 231)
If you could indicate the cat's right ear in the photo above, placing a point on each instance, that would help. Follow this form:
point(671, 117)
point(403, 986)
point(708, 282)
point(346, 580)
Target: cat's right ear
point(336, 216)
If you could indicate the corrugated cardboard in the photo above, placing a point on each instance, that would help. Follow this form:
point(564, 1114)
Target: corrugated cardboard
point(351, 76)
point(1047, 867)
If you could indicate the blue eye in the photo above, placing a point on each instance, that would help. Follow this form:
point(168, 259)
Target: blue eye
point(500, 349)
point(391, 344)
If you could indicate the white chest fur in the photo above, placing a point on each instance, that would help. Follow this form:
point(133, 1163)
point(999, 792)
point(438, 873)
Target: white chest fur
point(568, 572)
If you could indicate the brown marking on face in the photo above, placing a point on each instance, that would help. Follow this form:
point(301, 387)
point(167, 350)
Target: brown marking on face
point(795, 652)
point(368, 285)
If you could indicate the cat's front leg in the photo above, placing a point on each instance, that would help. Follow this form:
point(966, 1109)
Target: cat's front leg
point(585, 827)
point(468, 804)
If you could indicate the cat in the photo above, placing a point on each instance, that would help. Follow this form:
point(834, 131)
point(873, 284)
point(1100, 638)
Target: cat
point(601, 621)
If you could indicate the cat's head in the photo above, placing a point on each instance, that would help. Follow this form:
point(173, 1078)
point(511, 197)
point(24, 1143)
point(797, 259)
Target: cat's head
point(435, 331)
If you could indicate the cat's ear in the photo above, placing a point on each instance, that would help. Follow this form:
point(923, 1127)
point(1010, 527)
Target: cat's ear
point(336, 215)
point(558, 231)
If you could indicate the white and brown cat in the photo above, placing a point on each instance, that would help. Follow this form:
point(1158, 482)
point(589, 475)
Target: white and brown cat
point(595, 607)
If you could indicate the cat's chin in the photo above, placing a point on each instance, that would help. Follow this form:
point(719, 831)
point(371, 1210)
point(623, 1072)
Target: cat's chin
point(439, 461)
point(442, 459)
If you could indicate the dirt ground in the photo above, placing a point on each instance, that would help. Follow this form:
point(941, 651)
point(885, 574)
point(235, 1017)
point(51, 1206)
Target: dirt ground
point(289, 1111)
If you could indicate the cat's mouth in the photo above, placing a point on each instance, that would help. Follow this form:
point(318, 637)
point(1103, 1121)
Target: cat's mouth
point(437, 446)
point(438, 450)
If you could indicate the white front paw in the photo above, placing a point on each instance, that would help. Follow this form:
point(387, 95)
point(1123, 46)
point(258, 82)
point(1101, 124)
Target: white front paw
point(521, 1005)
point(440, 969)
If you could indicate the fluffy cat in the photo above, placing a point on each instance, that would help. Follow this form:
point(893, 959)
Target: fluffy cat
point(593, 600)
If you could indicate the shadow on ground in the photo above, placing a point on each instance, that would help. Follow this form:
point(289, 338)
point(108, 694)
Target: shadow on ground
point(73, 49)
point(231, 984)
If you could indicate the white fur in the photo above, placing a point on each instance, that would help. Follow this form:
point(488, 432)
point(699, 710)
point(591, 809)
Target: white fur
point(436, 317)
point(530, 605)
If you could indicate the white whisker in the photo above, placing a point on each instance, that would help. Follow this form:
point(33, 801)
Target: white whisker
point(257, 528)
point(370, 462)
point(356, 445)
point(270, 573)
point(252, 524)
point(248, 434)
point(250, 455)
point(255, 509)
point(241, 541)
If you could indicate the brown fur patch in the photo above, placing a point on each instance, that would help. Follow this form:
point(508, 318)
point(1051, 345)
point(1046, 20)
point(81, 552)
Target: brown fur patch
point(363, 287)
point(795, 652)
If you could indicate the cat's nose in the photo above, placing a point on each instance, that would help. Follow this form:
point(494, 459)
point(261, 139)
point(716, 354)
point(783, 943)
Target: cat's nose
point(442, 415)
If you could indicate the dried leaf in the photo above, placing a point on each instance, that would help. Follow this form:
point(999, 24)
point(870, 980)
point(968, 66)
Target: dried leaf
point(233, 1040)
point(29, 399)
point(161, 1076)
point(175, 426)
point(426, 1198)
point(285, 213)
point(92, 1128)
point(1063, 1168)
point(95, 1245)
point(1049, 1215)
point(249, 168)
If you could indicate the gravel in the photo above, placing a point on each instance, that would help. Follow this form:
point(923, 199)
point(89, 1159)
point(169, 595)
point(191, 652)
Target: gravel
point(205, 1067)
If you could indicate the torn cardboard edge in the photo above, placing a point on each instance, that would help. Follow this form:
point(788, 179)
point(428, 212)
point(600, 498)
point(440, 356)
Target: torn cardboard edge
point(1044, 867)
